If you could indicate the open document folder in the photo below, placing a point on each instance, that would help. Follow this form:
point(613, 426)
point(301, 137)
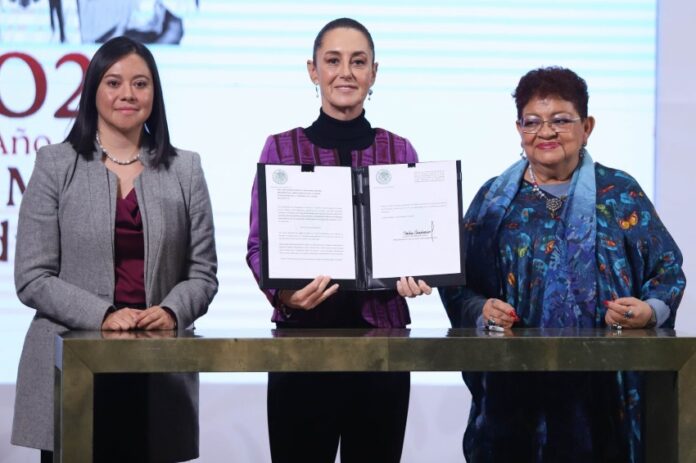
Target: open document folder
point(365, 227)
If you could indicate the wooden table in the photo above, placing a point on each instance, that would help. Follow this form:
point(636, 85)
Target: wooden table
point(668, 357)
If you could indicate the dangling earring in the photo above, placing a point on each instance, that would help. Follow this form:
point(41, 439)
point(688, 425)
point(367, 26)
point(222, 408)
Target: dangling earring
point(369, 95)
point(523, 155)
point(583, 151)
point(316, 88)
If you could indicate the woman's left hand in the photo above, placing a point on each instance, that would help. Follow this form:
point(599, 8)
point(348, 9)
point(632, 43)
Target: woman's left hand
point(628, 312)
point(156, 318)
point(407, 287)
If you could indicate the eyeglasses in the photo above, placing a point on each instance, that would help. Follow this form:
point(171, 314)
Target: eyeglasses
point(559, 124)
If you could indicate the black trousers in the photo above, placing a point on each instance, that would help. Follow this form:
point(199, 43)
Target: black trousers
point(309, 413)
point(121, 418)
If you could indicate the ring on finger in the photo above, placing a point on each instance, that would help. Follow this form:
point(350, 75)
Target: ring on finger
point(628, 314)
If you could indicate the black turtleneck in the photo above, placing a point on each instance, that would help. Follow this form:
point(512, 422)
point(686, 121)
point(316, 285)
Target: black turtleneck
point(343, 136)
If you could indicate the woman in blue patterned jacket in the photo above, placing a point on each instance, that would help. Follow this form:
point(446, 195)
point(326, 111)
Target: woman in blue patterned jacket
point(555, 241)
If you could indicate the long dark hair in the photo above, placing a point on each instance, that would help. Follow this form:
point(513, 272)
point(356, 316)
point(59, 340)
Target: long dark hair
point(84, 130)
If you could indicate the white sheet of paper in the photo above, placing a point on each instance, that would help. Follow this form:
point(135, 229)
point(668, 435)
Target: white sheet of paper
point(310, 222)
point(414, 219)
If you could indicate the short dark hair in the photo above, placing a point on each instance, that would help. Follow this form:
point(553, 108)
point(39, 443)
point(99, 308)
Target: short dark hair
point(84, 130)
point(552, 81)
point(342, 23)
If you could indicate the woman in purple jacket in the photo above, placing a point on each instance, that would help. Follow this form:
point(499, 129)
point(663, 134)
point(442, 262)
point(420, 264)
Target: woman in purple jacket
point(309, 412)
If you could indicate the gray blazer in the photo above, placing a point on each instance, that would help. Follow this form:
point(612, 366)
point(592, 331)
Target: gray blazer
point(64, 268)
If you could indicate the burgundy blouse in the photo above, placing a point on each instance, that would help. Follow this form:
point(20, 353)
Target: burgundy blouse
point(129, 249)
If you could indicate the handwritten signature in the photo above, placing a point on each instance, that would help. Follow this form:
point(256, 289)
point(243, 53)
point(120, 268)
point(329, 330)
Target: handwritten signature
point(420, 233)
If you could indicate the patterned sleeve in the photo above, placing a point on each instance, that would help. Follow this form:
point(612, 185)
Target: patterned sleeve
point(652, 252)
point(652, 268)
point(411, 155)
point(269, 155)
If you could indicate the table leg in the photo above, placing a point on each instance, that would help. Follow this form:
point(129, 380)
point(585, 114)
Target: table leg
point(686, 387)
point(74, 421)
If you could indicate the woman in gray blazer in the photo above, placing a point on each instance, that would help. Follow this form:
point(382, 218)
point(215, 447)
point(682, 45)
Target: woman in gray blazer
point(115, 233)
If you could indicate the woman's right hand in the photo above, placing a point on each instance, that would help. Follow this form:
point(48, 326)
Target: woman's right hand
point(121, 320)
point(310, 296)
point(499, 312)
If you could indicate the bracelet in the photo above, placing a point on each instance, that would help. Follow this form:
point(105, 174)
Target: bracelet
point(284, 309)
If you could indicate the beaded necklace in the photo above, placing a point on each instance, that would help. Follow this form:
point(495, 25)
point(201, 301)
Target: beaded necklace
point(113, 159)
point(553, 204)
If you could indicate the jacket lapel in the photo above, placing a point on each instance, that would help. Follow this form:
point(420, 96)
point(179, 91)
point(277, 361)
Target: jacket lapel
point(148, 189)
point(102, 203)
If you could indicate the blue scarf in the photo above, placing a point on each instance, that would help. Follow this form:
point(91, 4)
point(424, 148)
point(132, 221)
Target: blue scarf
point(570, 292)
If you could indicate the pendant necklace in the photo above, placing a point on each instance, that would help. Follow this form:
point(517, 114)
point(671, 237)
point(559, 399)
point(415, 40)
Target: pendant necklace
point(113, 159)
point(553, 204)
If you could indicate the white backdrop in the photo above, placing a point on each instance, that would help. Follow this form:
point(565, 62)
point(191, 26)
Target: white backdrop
point(446, 73)
point(675, 147)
